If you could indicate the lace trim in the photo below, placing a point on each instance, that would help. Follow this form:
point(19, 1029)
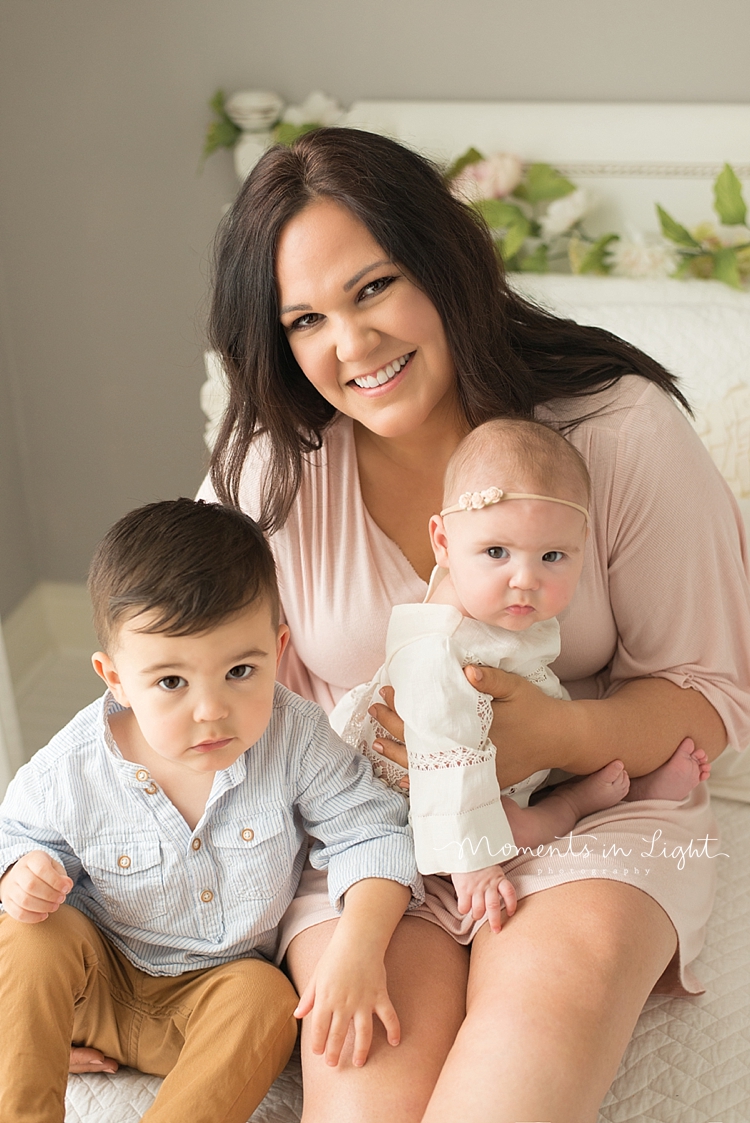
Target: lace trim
point(538, 676)
point(459, 756)
point(354, 734)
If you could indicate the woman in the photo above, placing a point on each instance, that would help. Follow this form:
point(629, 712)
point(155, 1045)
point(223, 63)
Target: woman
point(365, 327)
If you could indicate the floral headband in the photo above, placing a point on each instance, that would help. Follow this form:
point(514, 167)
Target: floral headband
point(476, 500)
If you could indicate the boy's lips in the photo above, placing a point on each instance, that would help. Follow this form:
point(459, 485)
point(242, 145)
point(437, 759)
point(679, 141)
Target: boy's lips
point(209, 746)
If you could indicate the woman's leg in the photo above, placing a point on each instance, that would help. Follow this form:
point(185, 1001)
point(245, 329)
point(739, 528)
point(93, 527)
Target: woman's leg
point(427, 973)
point(551, 1005)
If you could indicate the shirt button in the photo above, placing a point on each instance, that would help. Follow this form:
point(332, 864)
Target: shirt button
point(512, 790)
point(196, 844)
point(151, 789)
point(248, 835)
point(142, 775)
point(207, 896)
point(123, 862)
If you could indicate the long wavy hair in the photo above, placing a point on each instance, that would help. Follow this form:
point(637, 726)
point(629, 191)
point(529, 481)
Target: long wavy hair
point(509, 354)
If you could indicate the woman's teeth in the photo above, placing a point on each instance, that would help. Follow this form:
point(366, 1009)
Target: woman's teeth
point(385, 374)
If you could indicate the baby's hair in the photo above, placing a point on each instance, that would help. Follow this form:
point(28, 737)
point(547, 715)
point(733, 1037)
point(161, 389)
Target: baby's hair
point(192, 564)
point(517, 455)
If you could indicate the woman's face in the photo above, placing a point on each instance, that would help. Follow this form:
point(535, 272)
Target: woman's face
point(371, 343)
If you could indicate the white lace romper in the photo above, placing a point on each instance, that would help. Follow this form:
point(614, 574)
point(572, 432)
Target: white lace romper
point(456, 812)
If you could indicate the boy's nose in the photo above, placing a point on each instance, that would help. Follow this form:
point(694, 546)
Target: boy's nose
point(209, 707)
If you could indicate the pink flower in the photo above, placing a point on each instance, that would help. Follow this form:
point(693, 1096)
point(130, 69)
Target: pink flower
point(493, 178)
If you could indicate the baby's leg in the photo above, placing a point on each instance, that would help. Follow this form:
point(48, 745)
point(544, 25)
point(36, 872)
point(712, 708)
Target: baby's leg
point(557, 814)
point(684, 770)
point(47, 970)
point(238, 1031)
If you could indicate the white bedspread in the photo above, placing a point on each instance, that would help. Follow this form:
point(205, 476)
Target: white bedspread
point(688, 1061)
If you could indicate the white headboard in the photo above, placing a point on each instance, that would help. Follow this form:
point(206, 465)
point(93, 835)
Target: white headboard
point(630, 156)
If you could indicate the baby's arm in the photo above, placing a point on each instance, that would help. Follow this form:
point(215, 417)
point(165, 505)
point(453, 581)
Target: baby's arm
point(349, 982)
point(33, 887)
point(482, 891)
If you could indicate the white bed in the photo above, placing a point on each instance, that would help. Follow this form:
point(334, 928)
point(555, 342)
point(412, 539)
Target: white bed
point(689, 1059)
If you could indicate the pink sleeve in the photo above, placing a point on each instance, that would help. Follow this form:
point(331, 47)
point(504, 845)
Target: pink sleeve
point(678, 574)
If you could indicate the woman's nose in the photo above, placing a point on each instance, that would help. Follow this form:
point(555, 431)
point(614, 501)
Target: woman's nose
point(355, 340)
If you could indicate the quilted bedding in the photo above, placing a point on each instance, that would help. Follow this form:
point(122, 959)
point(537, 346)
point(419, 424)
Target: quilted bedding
point(688, 1061)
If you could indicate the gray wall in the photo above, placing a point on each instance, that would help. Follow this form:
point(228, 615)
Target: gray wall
point(105, 223)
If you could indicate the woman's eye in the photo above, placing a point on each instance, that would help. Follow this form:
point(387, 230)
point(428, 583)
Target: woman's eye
point(309, 320)
point(240, 672)
point(497, 552)
point(553, 556)
point(172, 682)
point(372, 288)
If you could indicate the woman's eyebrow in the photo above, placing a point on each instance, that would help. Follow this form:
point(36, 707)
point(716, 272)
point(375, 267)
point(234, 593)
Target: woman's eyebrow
point(358, 276)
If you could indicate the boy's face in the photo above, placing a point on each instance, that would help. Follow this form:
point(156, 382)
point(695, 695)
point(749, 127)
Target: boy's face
point(201, 700)
point(515, 563)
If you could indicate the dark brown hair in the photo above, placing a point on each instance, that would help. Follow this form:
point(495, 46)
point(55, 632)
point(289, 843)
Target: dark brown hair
point(191, 563)
point(509, 355)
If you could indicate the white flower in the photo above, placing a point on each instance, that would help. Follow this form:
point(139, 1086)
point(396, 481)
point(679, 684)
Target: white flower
point(493, 178)
point(254, 111)
point(564, 213)
point(643, 257)
point(317, 108)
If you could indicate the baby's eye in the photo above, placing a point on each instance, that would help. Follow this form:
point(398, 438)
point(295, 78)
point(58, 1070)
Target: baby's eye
point(497, 552)
point(241, 671)
point(172, 682)
point(553, 556)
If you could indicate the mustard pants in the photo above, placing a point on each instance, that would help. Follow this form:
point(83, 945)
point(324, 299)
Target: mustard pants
point(220, 1035)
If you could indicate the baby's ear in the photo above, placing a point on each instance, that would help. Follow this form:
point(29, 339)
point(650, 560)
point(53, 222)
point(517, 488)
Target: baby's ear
point(439, 541)
point(107, 671)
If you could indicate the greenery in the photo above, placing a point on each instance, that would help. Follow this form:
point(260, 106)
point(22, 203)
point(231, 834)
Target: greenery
point(707, 251)
point(222, 132)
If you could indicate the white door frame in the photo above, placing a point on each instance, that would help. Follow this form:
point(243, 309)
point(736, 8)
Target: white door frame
point(11, 748)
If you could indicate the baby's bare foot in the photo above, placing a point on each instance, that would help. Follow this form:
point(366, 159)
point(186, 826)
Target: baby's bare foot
point(598, 791)
point(684, 770)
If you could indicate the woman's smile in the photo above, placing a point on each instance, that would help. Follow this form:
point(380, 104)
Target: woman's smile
point(385, 376)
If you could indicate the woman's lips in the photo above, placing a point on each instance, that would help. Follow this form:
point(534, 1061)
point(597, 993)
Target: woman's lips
point(382, 388)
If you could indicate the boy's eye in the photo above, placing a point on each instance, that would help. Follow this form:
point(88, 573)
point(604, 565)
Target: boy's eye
point(497, 552)
point(172, 682)
point(243, 670)
point(553, 556)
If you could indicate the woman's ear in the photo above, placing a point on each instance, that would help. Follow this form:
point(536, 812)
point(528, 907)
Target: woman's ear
point(107, 671)
point(439, 541)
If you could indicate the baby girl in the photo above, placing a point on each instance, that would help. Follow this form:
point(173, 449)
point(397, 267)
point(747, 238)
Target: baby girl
point(509, 546)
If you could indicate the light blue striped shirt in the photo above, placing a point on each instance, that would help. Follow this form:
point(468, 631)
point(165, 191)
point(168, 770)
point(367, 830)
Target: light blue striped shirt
point(175, 900)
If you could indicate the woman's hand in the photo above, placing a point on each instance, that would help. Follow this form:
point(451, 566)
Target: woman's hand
point(394, 749)
point(90, 1060)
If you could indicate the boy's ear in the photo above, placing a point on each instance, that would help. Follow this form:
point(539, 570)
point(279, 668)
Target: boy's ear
point(282, 639)
point(107, 671)
point(439, 541)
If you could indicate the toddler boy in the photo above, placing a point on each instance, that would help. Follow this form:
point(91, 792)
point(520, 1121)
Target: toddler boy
point(173, 815)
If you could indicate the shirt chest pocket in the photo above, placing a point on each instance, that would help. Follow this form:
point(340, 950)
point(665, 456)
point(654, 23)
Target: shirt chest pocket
point(256, 853)
point(126, 870)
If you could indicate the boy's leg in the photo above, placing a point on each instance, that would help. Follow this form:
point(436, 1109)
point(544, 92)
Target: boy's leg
point(50, 978)
point(238, 1032)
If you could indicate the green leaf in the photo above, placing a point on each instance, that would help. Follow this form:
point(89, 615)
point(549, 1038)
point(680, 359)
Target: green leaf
point(515, 236)
point(498, 214)
point(542, 184)
point(470, 156)
point(728, 201)
point(674, 231)
point(726, 267)
point(535, 262)
point(286, 133)
point(594, 260)
point(222, 133)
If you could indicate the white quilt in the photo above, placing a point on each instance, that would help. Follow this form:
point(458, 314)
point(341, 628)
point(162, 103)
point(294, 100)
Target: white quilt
point(688, 1061)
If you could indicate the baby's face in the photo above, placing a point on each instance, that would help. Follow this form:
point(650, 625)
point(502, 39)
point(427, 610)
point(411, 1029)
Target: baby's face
point(514, 563)
point(199, 700)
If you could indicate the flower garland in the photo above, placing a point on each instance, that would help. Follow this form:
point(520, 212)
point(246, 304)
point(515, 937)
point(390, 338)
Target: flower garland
point(534, 213)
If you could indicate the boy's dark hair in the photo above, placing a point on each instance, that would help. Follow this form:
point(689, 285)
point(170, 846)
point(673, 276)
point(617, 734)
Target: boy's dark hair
point(191, 563)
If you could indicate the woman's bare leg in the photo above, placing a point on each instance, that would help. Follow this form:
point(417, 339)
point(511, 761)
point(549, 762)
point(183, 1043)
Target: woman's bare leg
point(427, 973)
point(551, 1005)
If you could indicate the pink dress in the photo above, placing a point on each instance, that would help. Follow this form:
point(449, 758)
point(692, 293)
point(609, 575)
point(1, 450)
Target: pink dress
point(665, 591)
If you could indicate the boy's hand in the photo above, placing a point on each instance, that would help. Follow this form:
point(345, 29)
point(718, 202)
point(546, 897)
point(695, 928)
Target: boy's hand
point(34, 887)
point(347, 988)
point(481, 891)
